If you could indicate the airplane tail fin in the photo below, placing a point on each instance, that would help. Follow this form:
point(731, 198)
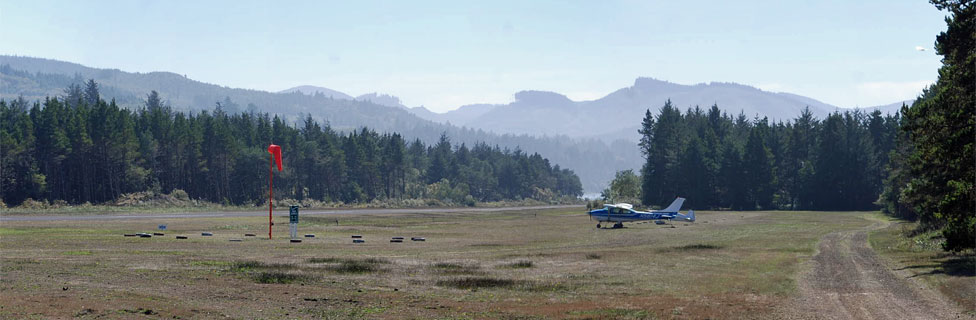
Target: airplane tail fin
point(675, 206)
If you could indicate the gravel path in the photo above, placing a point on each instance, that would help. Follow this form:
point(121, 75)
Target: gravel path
point(848, 280)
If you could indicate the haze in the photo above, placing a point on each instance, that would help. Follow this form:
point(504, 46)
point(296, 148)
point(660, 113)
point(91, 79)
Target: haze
point(444, 55)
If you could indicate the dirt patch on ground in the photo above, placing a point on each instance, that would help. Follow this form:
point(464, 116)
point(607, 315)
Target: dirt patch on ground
point(846, 279)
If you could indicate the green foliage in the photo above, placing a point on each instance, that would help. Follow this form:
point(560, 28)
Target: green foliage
point(477, 282)
point(83, 149)
point(717, 161)
point(931, 175)
point(625, 187)
point(272, 277)
point(587, 157)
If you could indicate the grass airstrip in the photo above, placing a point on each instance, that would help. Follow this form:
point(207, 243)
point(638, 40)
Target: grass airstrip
point(510, 264)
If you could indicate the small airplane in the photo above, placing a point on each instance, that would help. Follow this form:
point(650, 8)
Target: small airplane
point(624, 212)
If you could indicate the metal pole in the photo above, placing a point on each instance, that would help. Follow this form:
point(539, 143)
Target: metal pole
point(270, 193)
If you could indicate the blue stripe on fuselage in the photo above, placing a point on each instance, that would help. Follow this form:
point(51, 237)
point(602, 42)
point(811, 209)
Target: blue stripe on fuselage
point(603, 215)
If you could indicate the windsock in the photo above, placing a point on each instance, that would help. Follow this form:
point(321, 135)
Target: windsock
point(275, 151)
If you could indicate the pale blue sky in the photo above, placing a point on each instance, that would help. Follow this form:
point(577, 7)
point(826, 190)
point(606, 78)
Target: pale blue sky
point(449, 53)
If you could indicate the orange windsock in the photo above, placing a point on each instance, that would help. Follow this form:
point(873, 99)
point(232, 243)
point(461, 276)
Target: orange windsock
point(276, 151)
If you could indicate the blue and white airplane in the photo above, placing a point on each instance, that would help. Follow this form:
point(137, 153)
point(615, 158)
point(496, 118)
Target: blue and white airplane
point(624, 212)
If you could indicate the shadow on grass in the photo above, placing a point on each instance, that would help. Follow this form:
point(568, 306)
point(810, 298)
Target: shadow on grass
point(959, 266)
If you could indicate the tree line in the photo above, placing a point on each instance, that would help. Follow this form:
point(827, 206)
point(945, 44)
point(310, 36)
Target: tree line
point(719, 161)
point(932, 173)
point(919, 164)
point(586, 156)
point(80, 148)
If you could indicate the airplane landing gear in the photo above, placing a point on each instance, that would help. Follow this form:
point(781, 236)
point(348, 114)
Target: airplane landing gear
point(598, 226)
point(618, 225)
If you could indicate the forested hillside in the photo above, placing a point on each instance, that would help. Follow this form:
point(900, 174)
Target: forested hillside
point(80, 148)
point(717, 161)
point(36, 78)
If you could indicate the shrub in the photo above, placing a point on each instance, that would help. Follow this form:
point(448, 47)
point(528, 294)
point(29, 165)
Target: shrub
point(277, 277)
point(476, 282)
point(521, 264)
point(179, 194)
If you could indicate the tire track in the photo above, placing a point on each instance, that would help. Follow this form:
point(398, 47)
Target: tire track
point(848, 280)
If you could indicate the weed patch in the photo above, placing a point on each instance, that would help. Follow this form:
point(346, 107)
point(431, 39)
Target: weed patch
point(210, 263)
point(521, 264)
point(324, 260)
point(277, 277)
point(455, 268)
point(612, 314)
point(367, 265)
point(477, 282)
point(344, 260)
point(692, 247)
point(242, 266)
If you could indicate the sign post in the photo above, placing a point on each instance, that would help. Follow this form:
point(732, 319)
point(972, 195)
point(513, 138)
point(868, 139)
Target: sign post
point(293, 221)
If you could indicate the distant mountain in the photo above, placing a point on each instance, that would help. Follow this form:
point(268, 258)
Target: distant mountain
point(618, 114)
point(36, 78)
point(375, 98)
point(892, 108)
point(595, 138)
point(382, 99)
point(313, 90)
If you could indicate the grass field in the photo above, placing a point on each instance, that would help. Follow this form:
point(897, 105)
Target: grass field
point(551, 263)
point(921, 257)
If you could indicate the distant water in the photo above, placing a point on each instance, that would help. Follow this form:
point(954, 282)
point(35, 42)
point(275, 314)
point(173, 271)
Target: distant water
point(591, 196)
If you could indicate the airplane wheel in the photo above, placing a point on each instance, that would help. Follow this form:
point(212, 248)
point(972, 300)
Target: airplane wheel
point(598, 226)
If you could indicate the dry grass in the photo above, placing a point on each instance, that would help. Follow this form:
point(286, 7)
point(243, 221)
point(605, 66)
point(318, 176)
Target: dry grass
point(519, 264)
point(550, 263)
point(920, 256)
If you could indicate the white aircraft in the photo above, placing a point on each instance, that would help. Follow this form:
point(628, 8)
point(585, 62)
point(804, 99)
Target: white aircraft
point(624, 212)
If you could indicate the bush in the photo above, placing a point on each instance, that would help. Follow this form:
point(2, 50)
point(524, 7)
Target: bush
point(476, 282)
point(34, 204)
point(277, 277)
point(179, 194)
point(469, 201)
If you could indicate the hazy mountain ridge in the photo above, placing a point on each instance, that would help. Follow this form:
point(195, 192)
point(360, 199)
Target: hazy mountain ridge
point(313, 90)
point(582, 135)
point(36, 78)
point(618, 114)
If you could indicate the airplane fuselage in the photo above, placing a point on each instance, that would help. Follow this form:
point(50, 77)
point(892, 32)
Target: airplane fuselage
point(623, 212)
point(607, 214)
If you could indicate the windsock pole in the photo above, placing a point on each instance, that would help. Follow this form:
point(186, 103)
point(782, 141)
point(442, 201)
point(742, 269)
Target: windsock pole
point(275, 152)
point(270, 194)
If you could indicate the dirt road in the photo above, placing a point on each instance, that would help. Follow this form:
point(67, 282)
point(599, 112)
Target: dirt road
point(848, 280)
point(278, 212)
